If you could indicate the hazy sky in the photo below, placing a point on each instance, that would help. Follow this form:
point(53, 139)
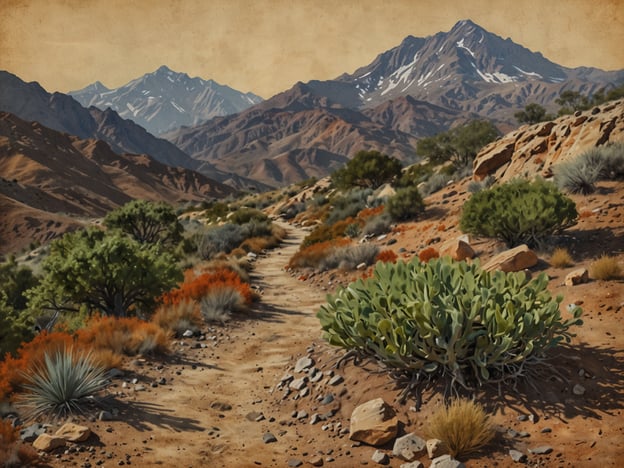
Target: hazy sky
point(265, 46)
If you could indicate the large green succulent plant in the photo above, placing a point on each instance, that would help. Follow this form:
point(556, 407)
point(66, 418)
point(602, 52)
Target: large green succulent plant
point(447, 318)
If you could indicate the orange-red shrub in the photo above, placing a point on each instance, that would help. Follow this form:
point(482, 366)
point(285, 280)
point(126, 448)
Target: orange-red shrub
point(196, 288)
point(387, 256)
point(14, 452)
point(311, 255)
point(370, 212)
point(427, 254)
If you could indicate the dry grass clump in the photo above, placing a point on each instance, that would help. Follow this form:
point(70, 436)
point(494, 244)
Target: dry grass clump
point(561, 258)
point(14, 453)
point(463, 426)
point(177, 318)
point(221, 302)
point(605, 268)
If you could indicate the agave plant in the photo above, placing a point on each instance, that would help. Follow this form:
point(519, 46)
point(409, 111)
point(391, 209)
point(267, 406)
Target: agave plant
point(60, 385)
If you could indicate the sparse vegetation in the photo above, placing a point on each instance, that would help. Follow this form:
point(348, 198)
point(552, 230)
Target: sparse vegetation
point(533, 113)
point(581, 174)
point(367, 169)
point(405, 205)
point(518, 212)
point(462, 425)
point(349, 257)
point(14, 453)
point(220, 302)
point(561, 258)
point(605, 268)
point(59, 386)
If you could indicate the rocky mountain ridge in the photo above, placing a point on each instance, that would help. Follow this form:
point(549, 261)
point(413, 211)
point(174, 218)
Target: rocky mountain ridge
point(165, 99)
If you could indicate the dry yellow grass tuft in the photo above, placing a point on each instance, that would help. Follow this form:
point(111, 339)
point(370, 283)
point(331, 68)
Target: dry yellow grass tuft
point(463, 426)
point(561, 258)
point(605, 268)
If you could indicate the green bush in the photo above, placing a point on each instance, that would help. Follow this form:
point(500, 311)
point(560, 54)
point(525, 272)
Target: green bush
point(434, 183)
point(581, 174)
point(445, 318)
point(62, 384)
point(219, 239)
point(348, 205)
point(518, 212)
point(406, 204)
point(246, 215)
point(368, 169)
point(349, 257)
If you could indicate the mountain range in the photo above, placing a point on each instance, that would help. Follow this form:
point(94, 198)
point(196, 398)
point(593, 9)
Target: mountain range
point(49, 178)
point(164, 100)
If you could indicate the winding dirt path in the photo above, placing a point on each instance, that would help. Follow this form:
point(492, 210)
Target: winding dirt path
point(199, 417)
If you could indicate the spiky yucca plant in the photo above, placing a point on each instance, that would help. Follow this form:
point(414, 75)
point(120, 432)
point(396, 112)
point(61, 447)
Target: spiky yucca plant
point(60, 385)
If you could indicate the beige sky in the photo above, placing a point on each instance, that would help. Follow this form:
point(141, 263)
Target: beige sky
point(265, 46)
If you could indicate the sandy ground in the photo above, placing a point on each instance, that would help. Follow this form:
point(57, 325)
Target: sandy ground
point(219, 401)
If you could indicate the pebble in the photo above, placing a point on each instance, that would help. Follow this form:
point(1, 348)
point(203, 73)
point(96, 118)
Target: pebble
point(578, 389)
point(303, 364)
point(327, 399)
point(517, 456)
point(268, 438)
point(336, 379)
point(541, 450)
point(294, 462)
point(546, 430)
point(380, 458)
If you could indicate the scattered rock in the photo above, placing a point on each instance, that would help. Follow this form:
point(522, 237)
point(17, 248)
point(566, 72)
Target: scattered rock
point(546, 430)
point(188, 334)
point(73, 432)
point(446, 461)
point(298, 384)
point(409, 447)
point(414, 464)
point(516, 259)
point(47, 442)
point(303, 364)
point(30, 433)
point(373, 423)
point(542, 450)
point(578, 389)
point(361, 266)
point(269, 438)
point(436, 448)
point(294, 462)
point(458, 249)
point(219, 406)
point(316, 461)
point(327, 400)
point(380, 458)
point(577, 277)
point(517, 456)
point(336, 379)
point(254, 416)
point(105, 416)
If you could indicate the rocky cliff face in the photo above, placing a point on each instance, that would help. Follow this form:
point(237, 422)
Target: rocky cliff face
point(535, 149)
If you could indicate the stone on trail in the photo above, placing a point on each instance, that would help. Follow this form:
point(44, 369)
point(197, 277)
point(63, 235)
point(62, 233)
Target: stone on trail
point(380, 458)
point(316, 461)
point(541, 450)
point(373, 423)
point(446, 461)
point(298, 384)
point(73, 432)
point(414, 464)
point(303, 364)
point(268, 438)
point(517, 456)
point(47, 442)
point(409, 447)
point(294, 462)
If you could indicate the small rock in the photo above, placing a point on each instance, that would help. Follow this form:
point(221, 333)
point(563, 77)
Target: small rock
point(436, 448)
point(409, 447)
point(315, 418)
point(542, 450)
point(105, 416)
point(414, 464)
point(302, 414)
point(546, 430)
point(253, 416)
point(373, 423)
point(303, 364)
point(578, 389)
point(219, 406)
point(30, 433)
point(336, 379)
point(47, 442)
point(327, 400)
point(380, 458)
point(139, 388)
point(269, 438)
point(575, 277)
point(298, 384)
point(294, 462)
point(517, 456)
point(446, 461)
point(73, 432)
point(188, 334)
point(361, 266)
point(522, 418)
point(316, 461)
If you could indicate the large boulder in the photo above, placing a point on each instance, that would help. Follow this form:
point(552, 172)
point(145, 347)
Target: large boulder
point(373, 423)
point(516, 259)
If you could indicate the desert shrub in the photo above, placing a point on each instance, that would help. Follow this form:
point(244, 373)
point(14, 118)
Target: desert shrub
point(292, 210)
point(518, 212)
point(414, 175)
point(476, 186)
point(312, 255)
point(177, 318)
point(605, 268)
point(561, 258)
point(220, 239)
point(387, 256)
point(352, 230)
point(377, 225)
point(427, 254)
point(613, 161)
point(368, 169)
point(124, 336)
point(580, 174)
point(348, 205)
point(349, 257)
point(434, 183)
point(246, 215)
point(406, 204)
point(15, 327)
point(195, 288)
point(449, 319)
point(14, 453)
point(60, 385)
point(463, 426)
point(219, 303)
